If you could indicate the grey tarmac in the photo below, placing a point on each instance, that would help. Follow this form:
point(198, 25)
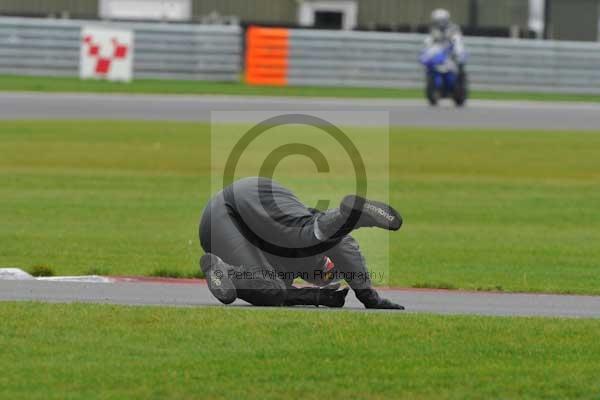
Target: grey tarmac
point(478, 113)
point(196, 294)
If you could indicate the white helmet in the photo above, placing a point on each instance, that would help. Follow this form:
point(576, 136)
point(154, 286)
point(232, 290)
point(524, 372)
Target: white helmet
point(440, 18)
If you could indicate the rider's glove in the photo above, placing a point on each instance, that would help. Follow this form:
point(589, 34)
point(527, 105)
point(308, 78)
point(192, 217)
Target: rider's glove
point(371, 299)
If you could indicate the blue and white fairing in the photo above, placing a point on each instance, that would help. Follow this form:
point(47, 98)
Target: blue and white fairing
point(441, 63)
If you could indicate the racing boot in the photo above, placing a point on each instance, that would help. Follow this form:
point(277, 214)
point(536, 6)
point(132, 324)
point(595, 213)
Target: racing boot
point(219, 278)
point(356, 212)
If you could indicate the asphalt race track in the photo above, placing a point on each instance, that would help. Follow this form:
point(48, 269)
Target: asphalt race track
point(165, 293)
point(482, 114)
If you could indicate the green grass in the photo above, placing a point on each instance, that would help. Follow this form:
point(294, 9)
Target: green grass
point(484, 210)
point(147, 86)
point(52, 351)
point(40, 270)
point(174, 273)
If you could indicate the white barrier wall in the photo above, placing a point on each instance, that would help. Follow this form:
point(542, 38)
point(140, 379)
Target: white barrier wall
point(373, 59)
point(307, 57)
point(52, 47)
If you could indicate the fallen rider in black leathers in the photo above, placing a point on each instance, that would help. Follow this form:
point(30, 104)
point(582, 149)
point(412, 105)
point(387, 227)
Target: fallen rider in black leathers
point(257, 237)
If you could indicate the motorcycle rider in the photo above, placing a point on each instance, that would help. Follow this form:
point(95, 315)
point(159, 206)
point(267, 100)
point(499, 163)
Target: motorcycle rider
point(444, 32)
point(257, 236)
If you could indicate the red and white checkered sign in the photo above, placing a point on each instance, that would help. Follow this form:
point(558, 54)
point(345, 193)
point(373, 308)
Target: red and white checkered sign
point(106, 54)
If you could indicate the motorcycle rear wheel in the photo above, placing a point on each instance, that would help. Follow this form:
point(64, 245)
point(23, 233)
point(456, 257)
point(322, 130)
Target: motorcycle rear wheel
point(460, 90)
point(431, 91)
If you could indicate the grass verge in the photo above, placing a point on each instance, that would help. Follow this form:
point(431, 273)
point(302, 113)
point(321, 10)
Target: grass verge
point(150, 86)
point(76, 351)
point(483, 209)
point(41, 270)
point(173, 273)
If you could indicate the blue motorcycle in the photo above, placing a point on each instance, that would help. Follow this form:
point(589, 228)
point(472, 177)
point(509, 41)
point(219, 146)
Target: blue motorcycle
point(445, 78)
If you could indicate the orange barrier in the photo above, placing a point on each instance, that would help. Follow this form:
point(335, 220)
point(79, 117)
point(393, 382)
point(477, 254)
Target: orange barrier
point(267, 51)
